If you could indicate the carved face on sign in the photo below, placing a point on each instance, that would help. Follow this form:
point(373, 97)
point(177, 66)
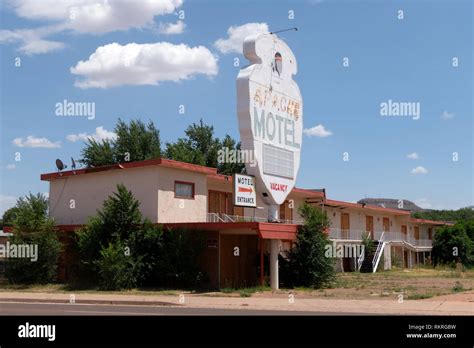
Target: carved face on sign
point(270, 111)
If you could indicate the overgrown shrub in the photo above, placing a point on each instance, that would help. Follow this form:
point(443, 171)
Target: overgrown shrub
point(31, 226)
point(178, 259)
point(451, 244)
point(118, 249)
point(306, 264)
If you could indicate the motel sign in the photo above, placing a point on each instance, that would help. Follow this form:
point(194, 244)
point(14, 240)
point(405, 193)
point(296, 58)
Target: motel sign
point(270, 112)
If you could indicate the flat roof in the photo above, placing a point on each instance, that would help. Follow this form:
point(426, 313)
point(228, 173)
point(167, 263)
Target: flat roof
point(337, 204)
point(163, 162)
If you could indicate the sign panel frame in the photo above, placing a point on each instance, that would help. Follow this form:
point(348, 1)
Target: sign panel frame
point(244, 191)
point(270, 113)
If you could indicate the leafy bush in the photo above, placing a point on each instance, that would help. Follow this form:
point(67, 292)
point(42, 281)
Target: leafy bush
point(451, 244)
point(32, 226)
point(368, 243)
point(116, 269)
point(118, 249)
point(178, 259)
point(306, 265)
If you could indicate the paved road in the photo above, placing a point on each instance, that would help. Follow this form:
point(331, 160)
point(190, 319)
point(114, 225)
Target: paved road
point(16, 308)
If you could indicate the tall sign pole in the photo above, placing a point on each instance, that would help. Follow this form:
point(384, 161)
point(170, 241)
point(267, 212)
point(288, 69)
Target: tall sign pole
point(270, 112)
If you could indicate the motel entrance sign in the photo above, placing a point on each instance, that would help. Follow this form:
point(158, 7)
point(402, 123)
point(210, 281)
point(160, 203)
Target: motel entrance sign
point(270, 113)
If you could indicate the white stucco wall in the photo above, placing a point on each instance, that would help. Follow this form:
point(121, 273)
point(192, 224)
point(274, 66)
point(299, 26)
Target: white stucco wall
point(153, 186)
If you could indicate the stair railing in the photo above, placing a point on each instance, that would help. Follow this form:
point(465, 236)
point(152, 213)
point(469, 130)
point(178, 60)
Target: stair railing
point(360, 260)
point(378, 253)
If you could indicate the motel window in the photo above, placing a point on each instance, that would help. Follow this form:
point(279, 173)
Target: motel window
point(183, 190)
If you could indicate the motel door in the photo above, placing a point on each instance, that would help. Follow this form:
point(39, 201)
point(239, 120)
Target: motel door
point(404, 232)
point(221, 203)
point(417, 232)
point(345, 226)
point(286, 213)
point(369, 225)
point(237, 271)
point(386, 224)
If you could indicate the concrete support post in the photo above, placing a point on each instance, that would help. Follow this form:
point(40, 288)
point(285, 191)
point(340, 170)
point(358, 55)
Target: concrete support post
point(274, 251)
point(274, 212)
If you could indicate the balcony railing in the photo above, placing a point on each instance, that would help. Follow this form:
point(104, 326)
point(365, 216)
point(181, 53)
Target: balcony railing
point(220, 217)
point(337, 233)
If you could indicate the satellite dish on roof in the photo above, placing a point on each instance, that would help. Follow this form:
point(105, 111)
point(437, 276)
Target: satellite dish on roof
point(60, 165)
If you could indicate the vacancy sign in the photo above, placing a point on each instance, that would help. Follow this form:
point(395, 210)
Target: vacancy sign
point(244, 191)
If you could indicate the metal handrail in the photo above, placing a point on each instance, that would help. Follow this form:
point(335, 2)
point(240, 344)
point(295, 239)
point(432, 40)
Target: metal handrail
point(378, 252)
point(360, 260)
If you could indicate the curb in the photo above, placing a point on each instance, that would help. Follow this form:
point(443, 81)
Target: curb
point(85, 301)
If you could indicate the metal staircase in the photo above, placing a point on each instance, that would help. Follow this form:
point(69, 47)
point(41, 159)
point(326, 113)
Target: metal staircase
point(371, 260)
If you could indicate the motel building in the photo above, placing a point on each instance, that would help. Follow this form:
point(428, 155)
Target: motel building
point(177, 194)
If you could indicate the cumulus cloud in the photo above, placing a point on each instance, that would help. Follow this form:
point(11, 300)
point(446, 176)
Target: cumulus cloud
point(34, 142)
point(237, 35)
point(447, 115)
point(100, 134)
point(115, 65)
point(82, 16)
point(317, 131)
point(172, 28)
point(95, 16)
point(30, 41)
point(419, 170)
point(6, 202)
point(413, 156)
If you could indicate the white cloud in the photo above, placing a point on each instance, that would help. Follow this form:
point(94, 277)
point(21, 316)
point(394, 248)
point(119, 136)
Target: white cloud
point(419, 170)
point(237, 36)
point(172, 28)
point(81, 16)
point(423, 203)
point(30, 41)
point(95, 16)
point(32, 141)
point(413, 156)
point(447, 115)
point(100, 134)
point(317, 131)
point(143, 64)
point(11, 166)
point(6, 202)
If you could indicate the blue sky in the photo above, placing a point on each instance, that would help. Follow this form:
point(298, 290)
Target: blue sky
point(403, 60)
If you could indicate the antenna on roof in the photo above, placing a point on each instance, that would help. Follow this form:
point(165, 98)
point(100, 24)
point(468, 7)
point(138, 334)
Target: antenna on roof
point(60, 165)
point(73, 164)
point(283, 30)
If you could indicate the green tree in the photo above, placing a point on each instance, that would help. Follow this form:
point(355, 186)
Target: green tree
point(452, 244)
point(96, 154)
point(119, 249)
point(9, 216)
point(137, 141)
point(134, 142)
point(118, 224)
point(178, 259)
point(226, 167)
point(33, 227)
point(198, 147)
point(306, 264)
point(463, 214)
